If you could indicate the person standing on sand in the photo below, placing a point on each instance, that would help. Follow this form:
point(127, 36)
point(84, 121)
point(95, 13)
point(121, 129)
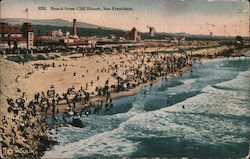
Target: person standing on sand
point(86, 86)
point(1, 139)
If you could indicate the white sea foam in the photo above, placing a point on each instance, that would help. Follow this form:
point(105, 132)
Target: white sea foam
point(189, 81)
point(105, 144)
point(205, 119)
point(241, 82)
point(196, 121)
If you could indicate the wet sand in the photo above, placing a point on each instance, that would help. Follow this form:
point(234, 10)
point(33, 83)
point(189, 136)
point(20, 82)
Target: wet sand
point(25, 80)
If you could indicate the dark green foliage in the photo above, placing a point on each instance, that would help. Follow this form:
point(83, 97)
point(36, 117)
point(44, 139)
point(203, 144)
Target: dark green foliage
point(27, 57)
point(186, 49)
point(47, 29)
point(15, 59)
point(65, 54)
point(56, 56)
point(41, 57)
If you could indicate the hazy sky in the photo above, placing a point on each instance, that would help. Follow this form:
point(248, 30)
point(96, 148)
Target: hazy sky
point(223, 17)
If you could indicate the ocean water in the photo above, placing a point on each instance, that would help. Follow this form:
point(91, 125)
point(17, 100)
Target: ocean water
point(214, 123)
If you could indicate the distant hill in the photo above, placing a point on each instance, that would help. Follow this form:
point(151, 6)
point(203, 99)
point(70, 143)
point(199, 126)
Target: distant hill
point(52, 22)
point(47, 29)
point(45, 26)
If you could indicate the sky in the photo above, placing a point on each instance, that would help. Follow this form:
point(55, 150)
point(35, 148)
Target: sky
point(222, 17)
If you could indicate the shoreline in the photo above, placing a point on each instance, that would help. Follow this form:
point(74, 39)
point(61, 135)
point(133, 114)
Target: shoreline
point(115, 95)
point(121, 94)
point(134, 91)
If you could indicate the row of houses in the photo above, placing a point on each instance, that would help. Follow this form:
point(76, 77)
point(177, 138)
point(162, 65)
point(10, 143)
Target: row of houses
point(13, 37)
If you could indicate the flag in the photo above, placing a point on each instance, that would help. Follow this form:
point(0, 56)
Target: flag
point(26, 10)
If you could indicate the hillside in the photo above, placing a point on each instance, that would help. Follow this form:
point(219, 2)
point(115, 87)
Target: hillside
point(52, 22)
point(47, 29)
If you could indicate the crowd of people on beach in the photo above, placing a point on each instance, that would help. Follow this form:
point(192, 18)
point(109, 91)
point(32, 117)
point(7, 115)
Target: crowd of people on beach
point(25, 125)
point(29, 117)
point(21, 135)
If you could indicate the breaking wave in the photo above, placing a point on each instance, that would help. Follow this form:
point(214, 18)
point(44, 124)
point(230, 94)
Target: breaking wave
point(213, 121)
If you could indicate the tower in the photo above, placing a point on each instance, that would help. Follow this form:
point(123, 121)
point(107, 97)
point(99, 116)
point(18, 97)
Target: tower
point(74, 27)
point(28, 34)
point(151, 31)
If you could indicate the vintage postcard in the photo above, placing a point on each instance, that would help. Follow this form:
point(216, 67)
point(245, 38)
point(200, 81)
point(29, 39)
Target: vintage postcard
point(124, 79)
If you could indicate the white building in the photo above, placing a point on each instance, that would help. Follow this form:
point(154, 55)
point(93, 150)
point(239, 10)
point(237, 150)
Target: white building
point(57, 33)
point(14, 37)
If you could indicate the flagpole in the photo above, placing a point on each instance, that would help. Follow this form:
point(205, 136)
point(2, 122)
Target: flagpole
point(0, 9)
point(27, 15)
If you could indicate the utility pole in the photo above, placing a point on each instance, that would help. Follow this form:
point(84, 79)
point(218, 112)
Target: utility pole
point(248, 19)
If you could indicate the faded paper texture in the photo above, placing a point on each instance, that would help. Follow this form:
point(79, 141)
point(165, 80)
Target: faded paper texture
point(133, 79)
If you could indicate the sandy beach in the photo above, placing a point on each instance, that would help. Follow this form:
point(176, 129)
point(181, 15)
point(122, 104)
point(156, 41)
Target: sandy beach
point(124, 79)
point(31, 79)
point(68, 76)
